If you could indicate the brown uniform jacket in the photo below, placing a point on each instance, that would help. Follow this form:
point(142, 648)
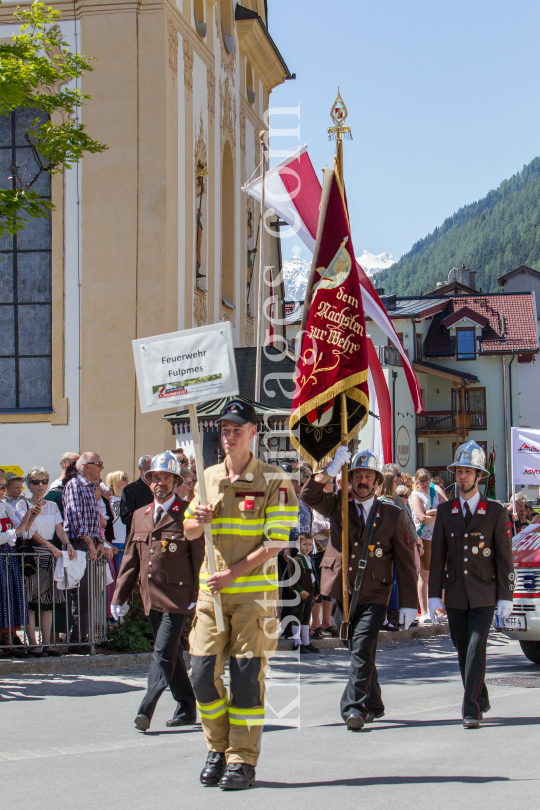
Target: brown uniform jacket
point(390, 535)
point(300, 578)
point(478, 557)
point(167, 563)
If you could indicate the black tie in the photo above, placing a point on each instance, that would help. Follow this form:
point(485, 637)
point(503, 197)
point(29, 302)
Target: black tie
point(468, 514)
point(158, 513)
point(361, 518)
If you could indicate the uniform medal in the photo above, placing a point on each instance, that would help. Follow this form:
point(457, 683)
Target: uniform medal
point(474, 550)
point(487, 552)
point(378, 552)
point(164, 546)
point(173, 547)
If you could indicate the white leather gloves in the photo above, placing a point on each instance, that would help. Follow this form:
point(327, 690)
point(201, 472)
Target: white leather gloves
point(118, 611)
point(342, 457)
point(504, 608)
point(434, 604)
point(407, 616)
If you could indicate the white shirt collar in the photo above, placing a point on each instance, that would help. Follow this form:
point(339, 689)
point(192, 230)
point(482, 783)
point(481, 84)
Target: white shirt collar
point(165, 506)
point(364, 507)
point(473, 503)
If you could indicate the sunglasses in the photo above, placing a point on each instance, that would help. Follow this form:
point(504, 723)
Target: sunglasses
point(37, 481)
point(94, 464)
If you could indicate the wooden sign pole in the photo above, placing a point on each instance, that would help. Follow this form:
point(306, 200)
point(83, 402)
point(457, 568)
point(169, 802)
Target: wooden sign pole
point(194, 425)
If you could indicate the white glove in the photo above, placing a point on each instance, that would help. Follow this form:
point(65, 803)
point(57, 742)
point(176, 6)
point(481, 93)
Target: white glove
point(434, 604)
point(342, 457)
point(504, 608)
point(118, 611)
point(407, 616)
point(190, 607)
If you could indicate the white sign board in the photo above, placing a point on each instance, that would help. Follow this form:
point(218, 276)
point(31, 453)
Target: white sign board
point(182, 368)
point(525, 456)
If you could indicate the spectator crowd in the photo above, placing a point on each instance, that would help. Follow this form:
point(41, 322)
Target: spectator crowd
point(79, 519)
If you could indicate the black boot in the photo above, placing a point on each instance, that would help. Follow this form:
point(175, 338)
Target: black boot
point(214, 769)
point(238, 776)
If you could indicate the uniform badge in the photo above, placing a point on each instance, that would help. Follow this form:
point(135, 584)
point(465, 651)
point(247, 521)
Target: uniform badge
point(175, 508)
point(249, 503)
point(481, 508)
point(511, 577)
point(149, 508)
point(408, 540)
point(474, 550)
point(455, 508)
point(283, 496)
point(379, 552)
point(481, 545)
point(173, 547)
point(164, 546)
point(510, 587)
point(487, 552)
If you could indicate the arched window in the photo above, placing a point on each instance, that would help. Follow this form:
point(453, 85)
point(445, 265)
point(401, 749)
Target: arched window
point(25, 280)
point(227, 24)
point(200, 17)
point(250, 83)
point(227, 228)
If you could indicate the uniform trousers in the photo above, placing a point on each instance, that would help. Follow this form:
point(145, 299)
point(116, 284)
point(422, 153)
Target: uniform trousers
point(232, 724)
point(167, 667)
point(363, 693)
point(470, 630)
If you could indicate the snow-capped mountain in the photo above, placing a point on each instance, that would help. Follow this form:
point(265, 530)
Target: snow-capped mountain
point(372, 264)
point(296, 272)
point(295, 276)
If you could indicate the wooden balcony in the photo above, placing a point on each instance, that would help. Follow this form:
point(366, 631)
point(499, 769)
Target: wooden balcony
point(441, 472)
point(389, 356)
point(448, 423)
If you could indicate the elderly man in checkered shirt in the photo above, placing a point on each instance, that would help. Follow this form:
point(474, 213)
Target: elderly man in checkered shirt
point(83, 527)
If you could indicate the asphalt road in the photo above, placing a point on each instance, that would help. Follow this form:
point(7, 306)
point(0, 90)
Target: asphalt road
point(69, 741)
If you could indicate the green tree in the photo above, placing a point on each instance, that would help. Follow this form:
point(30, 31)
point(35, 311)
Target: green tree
point(34, 70)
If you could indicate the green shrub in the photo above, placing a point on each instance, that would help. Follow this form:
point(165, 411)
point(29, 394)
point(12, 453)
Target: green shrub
point(133, 635)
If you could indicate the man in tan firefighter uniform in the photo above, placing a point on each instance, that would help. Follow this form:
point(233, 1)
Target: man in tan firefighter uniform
point(168, 567)
point(251, 508)
point(471, 560)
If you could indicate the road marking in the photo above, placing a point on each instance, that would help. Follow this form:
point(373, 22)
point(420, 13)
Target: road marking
point(92, 748)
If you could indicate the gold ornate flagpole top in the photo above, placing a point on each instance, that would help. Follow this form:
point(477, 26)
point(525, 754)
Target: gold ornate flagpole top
point(339, 113)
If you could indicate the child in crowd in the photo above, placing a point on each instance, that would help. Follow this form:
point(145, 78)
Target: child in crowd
point(302, 571)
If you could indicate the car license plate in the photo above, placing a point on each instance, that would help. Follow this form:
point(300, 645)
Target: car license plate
point(515, 621)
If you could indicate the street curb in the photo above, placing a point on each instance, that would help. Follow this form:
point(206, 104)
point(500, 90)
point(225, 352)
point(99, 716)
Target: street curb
point(72, 664)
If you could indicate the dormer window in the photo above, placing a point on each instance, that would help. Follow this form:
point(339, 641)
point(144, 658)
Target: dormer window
point(465, 344)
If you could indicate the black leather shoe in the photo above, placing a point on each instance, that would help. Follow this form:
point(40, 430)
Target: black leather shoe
point(471, 722)
point(142, 722)
point(371, 716)
point(214, 769)
point(182, 720)
point(312, 648)
point(238, 776)
point(355, 722)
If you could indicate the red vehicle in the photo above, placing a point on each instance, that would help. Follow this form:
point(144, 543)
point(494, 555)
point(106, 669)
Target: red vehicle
point(524, 622)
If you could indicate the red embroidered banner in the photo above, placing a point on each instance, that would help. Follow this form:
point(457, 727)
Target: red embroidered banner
point(334, 354)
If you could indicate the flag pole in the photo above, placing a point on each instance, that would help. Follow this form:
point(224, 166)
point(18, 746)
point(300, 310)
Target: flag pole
point(339, 114)
point(260, 314)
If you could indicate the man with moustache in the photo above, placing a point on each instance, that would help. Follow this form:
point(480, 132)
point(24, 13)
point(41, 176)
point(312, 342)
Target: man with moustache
point(471, 560)
point(390, 545)
point(168, 565)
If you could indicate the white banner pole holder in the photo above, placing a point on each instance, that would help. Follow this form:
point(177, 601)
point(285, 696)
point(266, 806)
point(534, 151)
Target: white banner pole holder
point(194, 425)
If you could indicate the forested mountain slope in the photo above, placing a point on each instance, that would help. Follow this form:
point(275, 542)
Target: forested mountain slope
point(491, 236)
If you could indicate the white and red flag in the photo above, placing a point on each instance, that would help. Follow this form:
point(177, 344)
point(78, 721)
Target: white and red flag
point(293, 192)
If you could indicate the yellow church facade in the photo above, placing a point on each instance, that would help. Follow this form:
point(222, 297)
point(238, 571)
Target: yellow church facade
point(152, 236)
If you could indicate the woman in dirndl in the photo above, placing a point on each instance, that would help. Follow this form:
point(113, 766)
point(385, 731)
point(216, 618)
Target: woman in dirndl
point(41, 592)
point(13, 605)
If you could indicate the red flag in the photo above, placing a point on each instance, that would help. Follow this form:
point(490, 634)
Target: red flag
point(334, 355)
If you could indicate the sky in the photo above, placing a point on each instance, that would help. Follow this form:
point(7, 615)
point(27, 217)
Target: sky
point(442, 97)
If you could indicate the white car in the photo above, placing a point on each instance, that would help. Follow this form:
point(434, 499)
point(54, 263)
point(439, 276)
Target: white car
point(523, 623)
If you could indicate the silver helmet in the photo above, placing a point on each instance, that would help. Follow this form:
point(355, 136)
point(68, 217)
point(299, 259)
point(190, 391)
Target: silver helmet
point(164, 462)
point(366, 460)
point(471, 455)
